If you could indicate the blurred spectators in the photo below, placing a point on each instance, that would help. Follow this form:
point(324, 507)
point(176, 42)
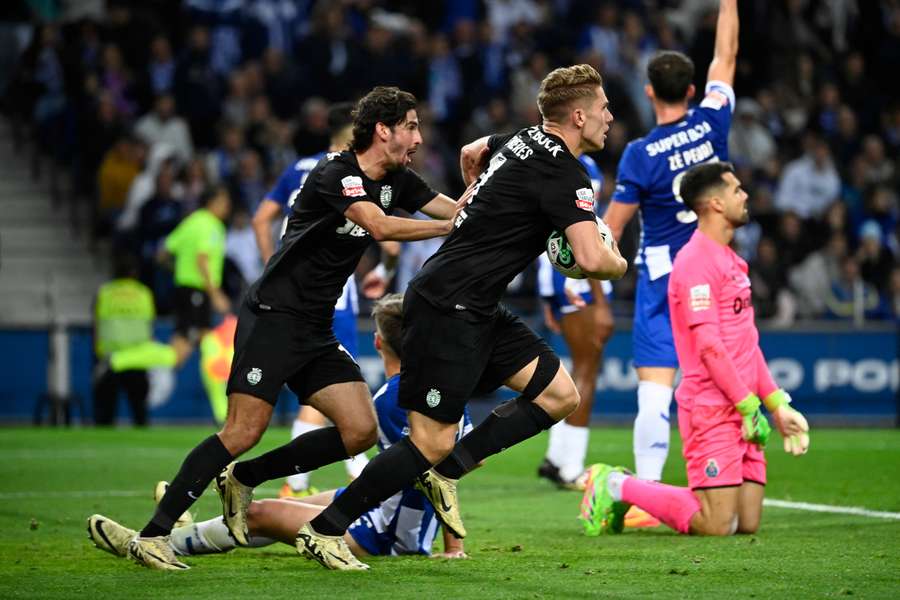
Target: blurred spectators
point(233, 91)
point(749, 142)
point(810, 183)
point(163, 126)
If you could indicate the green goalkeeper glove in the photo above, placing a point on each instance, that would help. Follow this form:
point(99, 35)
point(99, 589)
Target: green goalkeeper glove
point(755, 428)
point(790, 423)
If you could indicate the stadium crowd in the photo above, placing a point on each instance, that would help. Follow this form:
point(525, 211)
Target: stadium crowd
point(147, 104)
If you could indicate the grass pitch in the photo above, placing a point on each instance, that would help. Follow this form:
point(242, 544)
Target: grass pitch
point(524, 540)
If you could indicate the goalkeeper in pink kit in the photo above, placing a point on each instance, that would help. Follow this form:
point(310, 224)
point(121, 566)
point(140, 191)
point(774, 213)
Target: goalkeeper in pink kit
point(724, 376)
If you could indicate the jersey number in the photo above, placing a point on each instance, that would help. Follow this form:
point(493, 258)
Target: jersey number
point(686, 215)
point(498, 161)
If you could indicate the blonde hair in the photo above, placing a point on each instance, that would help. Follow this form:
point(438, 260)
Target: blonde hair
point(563, 86)
point(388, 314)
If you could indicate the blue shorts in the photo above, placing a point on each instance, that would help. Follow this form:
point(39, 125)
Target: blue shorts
point(386, 542)
point(652, 343)
point(345, 331)
point(552, 284)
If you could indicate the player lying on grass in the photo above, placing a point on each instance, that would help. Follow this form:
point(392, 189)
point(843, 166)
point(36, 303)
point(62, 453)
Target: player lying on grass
point(403, 524)
point(723, 431)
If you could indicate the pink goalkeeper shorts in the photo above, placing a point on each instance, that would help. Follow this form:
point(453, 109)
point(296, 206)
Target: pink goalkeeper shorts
point(715, 453)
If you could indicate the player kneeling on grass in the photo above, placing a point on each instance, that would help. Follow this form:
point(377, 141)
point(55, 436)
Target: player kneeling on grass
point(403, 524)
point(723, 431)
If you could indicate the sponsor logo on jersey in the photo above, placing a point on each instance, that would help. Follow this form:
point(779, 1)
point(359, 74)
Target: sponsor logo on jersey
point(680, 138)
point(584, 199)
point(700, 297)
point(712, 468)
point(352, 229)
point(353, 186)
point(254, 376)
point(432, 398)
point(386, 193)
point(740, 304)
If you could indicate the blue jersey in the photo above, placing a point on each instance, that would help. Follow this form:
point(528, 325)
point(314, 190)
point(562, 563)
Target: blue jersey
point(404, 523)
point(285, 192)
point(651, 169)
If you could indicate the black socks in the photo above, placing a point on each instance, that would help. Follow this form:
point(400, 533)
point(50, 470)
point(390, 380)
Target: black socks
point(198, 469)
point(304, 453)
point(506, 426)
point(385, 475)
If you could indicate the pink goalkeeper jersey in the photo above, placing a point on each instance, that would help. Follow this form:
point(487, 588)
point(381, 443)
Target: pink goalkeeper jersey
point(709, 284)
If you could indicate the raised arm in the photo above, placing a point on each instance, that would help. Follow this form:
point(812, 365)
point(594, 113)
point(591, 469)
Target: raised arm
point(725, 55)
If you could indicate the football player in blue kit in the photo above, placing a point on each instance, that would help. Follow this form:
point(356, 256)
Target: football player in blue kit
point(648, 179)
point(579, 310)
point(275, 207)
point(403, 524)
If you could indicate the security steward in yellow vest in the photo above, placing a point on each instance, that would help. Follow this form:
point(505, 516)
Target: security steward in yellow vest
point(123, 318)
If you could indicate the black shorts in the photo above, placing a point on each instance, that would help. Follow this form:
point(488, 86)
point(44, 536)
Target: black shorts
point(449, 357)
point(193, 312)
point(273, 349)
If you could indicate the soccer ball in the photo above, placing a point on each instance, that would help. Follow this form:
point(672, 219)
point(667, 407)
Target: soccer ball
point(560, 252)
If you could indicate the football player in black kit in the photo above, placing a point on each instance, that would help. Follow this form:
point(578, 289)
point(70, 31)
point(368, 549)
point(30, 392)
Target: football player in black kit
point(284, 332)
point(457, 339)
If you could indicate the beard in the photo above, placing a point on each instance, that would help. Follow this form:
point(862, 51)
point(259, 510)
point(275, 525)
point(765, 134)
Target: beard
point(742, 220)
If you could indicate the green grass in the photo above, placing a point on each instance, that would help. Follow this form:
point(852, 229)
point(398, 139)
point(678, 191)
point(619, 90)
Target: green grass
point(524, 540)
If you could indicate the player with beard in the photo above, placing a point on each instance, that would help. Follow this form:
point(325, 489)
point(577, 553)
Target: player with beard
point(284, 332)
point(723, 431)
point(458, 340)
point(648, 179)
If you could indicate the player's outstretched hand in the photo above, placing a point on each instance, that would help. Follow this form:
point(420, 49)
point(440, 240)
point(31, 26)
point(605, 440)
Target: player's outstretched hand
point(792, 426)
point(451, 554)
point(790, 423)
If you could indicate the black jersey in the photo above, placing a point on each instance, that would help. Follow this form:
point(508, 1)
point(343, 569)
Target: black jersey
point(532, 185)
point(321, 247)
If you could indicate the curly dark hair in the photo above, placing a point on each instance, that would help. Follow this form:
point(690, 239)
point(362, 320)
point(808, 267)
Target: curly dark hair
point(383, 104)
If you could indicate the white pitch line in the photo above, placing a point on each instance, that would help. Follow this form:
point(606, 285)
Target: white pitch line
point(827, 508)
point(95, 494)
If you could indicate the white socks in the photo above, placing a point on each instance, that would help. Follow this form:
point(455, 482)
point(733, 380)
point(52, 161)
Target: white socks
point(614, 483)
point(209, 537)
point(556, 449)
point(355, 465)
point(651, 430)
point(300, 481)
point(568, 449)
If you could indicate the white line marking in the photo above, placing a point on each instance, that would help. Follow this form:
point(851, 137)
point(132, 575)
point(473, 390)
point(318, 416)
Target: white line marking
point(827, 508)
point(100, 494)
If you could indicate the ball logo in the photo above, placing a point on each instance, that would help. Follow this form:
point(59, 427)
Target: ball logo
point(712, 468)
point(432, 398)
point(254, 376)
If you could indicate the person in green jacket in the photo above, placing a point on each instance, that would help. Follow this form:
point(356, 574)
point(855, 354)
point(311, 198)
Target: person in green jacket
point(197, 247)
point(123, 318)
